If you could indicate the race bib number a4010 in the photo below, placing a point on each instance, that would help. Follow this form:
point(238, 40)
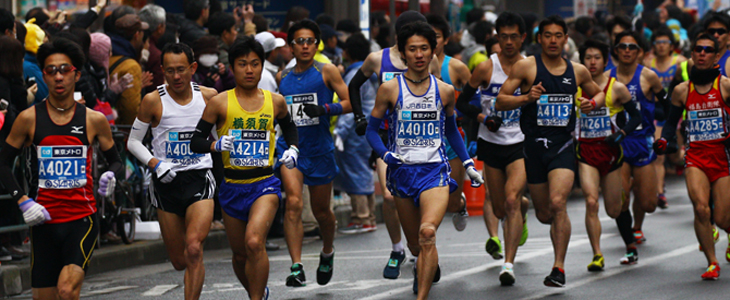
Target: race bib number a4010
point(418, 129)
point(554, 110)
point(61, 167)
point(250, 148)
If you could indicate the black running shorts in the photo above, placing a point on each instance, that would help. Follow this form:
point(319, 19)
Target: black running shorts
point(187, 188)
point(498, 156)
point(543, 155)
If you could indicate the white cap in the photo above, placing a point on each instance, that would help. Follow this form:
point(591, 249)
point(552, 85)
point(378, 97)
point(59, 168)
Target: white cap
point(269, 41)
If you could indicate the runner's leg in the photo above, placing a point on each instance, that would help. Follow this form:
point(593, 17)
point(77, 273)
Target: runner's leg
point(589, 182)
point(321, 195)
point(261, 216)
point(293, 181)
point(432, 210)
point(698, 188)
point(198, 218)
point(514, 188)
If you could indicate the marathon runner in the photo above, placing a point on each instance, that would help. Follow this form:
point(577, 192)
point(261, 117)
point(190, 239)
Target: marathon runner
point(547, 121)
point(63, 230)
point(182, 186)
point(308, 89)
point(600, 155)
point(418, 171)
point(500, 143)
point(244, 119)
point(704, 98)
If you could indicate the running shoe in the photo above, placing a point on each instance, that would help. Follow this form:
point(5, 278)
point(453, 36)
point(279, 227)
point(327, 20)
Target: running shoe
point(507, 276)
point(266, 294)
point(556, 278)
point(460, 218)
point(436, 277)
point(727, 252)
point(639, 236)
point(392, 269)
point(715, 236)
point(712, 273)
point(494, 247)
point(326, 266)
point(525, 232)
point(369, 228)
point(662, 201)
point(296, 278)
point(597, 264)
point(630, 258)
point(352, 228)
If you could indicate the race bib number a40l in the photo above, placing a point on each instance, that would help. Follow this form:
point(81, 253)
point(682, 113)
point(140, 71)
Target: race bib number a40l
point(296, 108)
point(61, 167)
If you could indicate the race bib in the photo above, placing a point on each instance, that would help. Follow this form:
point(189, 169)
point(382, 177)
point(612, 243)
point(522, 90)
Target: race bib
point(250, 148)
point(595, 124)
point(510, 118)
point(705, 125)
point(61, 167)
point(418, 129)
point(296, 108)
point(178, 149)
point(554, 110)
point(387, 76)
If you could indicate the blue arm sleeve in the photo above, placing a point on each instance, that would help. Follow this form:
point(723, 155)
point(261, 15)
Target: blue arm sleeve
point(454, 137)
point(374, 139)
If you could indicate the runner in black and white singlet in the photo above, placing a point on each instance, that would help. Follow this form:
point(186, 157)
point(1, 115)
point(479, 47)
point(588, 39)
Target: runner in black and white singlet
point(548, 120)
point(182, 186)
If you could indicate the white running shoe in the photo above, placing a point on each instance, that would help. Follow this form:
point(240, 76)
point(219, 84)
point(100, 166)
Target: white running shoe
point(507, 276)
point(460, 218)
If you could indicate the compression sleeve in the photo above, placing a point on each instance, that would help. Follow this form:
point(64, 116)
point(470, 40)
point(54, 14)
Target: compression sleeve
point(634, 117)
point(134, 143)
point(288, 130)
point(670, 128)
point(7, 156)
point(114, 161)
point(462, 103)
point(373, 138)
point(354, 91)
point(200, 142)
point(454, 137)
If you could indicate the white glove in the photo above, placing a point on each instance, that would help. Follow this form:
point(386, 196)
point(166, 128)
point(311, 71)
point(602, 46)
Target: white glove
point(164, 172)
point(224, 143)
point(34, 213)
point(107, 183)
point(471, 171)
point(392, 158)
point(339, 144)
point(289, 157)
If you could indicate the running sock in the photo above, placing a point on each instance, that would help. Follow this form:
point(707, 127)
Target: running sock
point(624, 227)
point(398, 247)
point(508, 265)
point(328, 255)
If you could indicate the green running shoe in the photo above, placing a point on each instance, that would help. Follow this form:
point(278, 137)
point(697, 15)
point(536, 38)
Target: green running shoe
point(494, 247)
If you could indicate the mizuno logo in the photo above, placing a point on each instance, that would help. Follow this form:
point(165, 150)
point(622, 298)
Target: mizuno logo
point(198, 195)
point(566, 80)
point(711, 96)
point(427, 98)
point(77, 129)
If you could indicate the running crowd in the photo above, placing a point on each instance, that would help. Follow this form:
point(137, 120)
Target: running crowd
point(608, 100)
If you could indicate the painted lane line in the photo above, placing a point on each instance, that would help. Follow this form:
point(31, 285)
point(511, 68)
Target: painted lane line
point(159, 290)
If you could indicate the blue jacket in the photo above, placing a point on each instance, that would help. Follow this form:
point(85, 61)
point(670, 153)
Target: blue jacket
point(31, 69)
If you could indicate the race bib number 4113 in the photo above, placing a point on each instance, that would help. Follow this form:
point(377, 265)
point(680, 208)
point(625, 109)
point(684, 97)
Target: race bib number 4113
point(296, 108)
point(554, 110)
point(61, 167)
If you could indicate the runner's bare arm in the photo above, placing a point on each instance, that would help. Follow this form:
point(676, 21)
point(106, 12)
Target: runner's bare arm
point(482, 75)
point(589, 87)
point(214, 114)
point(208, 93)
point(506, 100)
point(334, 81)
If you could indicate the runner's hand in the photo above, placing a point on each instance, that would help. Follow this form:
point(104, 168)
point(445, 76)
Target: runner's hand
point(471, 171)
point(34, 213)
point(314, 111)
point(391, 158)
point(361, 125)
point(107, 183)
point(587, 105)
point(164, 172)
point(616, 138)
point(493, 123)
point(290, 157)
point(662, 146)
point(224, 143)
point(535, 92)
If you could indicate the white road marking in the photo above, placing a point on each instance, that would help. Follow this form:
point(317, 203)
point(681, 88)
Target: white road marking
point(159, 290)
point(108, 290)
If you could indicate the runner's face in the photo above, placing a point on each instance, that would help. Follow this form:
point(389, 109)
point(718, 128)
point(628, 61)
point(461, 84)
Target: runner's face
point(627, 56)
point(553, 40)
point(510, 40)
point(418, 53)
point(663, 46)
point(60, 85)
point(304, 51)
point(178, 71)
point(704, 60)
point(594, 61)
point(247, 70)
point(721, 38)
point(440, 41)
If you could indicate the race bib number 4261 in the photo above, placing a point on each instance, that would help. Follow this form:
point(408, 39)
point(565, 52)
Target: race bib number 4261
point(418, 128)
point(178, 149)
point(554, 110)
point(296, 108)
point(61, 167)
point(595, 124)
point(250, 148)
point(705, 125)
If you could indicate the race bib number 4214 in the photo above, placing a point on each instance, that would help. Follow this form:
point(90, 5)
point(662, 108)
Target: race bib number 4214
point(554, 110)
point(61, 167)
point(296, 108)
point(250, 148)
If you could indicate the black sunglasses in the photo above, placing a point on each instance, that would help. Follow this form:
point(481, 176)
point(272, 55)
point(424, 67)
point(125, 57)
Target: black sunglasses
point(719, 31)
point(707, 49)
point(627, 46)
point(64, 69)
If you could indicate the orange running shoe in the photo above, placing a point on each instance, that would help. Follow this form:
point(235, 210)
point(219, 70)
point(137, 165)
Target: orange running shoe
point(712, 273)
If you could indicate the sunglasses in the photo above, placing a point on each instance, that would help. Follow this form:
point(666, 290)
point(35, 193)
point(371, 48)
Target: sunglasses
point(707, 49)
point(302, 41)
point(718, 31)
point(627, 46)
point(63, 69)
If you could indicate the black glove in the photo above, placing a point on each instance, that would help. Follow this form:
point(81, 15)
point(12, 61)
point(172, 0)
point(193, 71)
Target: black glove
point(361, 125)
point(493, 123)
point(615, 138)
point(314, 111)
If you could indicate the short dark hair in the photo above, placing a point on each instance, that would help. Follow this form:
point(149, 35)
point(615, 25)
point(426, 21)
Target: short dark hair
point(62, 46)
point(38, 14)
point(480, 30)
point(552, 20)
point(245, 45)
point(474, 15)
point(303, 24)
point(110, 21)
point(194, 8)
point(489, 43)
point(584, 23)
point(663, 31)
point(261, 23)
point(77, 35)
point(705, 36)
point(416, 28)
point(177, 48)
point(324, 18)
point(722, 18)
point(620, 20)
point(634, 34)
point(20, 32)
point(13, 53)
point(595, 44)
point(440, 23)
point(508, 19)
point(357, 47)
point(220, 22)
point(7, 20)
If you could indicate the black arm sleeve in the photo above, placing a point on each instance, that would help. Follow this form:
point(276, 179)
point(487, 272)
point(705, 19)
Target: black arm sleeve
point(354, 91)
point(84, 21)
point(462, 103)
point(114, 161)
point(661, 106)
point(200, 142)
point(7, 156)
point(289, 130)
point(634, 117)
point(670, 128)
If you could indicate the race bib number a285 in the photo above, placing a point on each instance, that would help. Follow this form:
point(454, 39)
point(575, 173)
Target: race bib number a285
point(61, 167)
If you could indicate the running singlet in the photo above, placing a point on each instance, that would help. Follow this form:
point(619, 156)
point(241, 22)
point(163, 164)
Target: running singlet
point(387, 72)
point(553, 114)
point(509, 133)
point(253, 133)
point(417, 126)
point(307, 87)
point(171, 138)
point(666, 76)
point(646, 106)
point(65, 185)
point(601, 122)
point(610, 65)
point(723, 61)
point(707, 116)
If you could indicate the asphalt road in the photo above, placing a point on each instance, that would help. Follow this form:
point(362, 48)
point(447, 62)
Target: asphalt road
point(670, 266)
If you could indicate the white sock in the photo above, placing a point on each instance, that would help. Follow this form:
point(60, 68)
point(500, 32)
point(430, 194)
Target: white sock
point(328, 255)
point(398, 247)
point(508, 266)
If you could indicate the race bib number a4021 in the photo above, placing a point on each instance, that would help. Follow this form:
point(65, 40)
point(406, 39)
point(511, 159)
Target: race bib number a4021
point(61, 167)
point(596, 124)
point(705, 125)
point(250, 148)
point(296, 108)
point(418, 129)
point(178, 149)
point(554, 110)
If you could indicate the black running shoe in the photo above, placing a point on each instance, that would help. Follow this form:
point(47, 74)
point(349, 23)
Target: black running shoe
point(296, 278)
point(555, 279)
point(324, 271)
point(415, 280)
point(437, 276)
point(392, 269)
